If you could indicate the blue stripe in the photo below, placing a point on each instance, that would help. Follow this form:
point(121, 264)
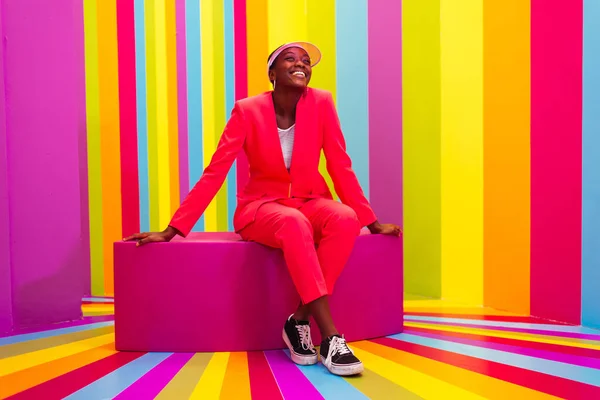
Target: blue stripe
point(117, 381)
point(229, 101)
point(142, 122)
point(330, 386)
point(591, 166)
point(491, 324)
point(194, 79)
point(352, 83)
point(98, 300)
point(25, 337)
point(554, 368)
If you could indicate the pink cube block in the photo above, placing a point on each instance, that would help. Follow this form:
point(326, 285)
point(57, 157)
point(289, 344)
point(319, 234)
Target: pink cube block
point(215, 292)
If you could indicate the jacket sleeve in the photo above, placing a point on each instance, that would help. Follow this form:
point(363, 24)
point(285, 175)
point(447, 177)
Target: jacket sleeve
point(196, 202)
point(339, 166)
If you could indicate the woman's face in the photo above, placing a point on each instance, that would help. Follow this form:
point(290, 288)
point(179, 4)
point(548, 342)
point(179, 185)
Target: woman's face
point(291, 68)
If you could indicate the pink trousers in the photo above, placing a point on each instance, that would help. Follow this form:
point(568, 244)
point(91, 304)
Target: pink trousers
point(316, 237)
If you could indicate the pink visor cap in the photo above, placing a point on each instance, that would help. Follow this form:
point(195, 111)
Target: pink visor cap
point(313, 52)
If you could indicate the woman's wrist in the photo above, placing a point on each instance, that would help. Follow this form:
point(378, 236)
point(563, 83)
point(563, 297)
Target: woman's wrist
point(170, 232)
point(374, 227)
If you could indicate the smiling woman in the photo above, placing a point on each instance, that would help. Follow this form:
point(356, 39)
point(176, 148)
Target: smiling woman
point(286, 203)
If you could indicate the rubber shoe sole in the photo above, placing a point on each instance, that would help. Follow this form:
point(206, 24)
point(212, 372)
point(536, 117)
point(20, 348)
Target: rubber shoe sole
point(344, 370)
point(300, 359)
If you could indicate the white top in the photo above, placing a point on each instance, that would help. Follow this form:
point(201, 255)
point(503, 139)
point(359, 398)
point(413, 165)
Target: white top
point(286, 137)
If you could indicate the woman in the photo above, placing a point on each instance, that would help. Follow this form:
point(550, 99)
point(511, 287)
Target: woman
point(286, 203)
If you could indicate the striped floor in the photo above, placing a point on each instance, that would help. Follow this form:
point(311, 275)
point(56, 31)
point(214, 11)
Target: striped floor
point(448, 351)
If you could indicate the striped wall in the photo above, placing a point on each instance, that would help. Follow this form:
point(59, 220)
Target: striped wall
point(591, 165)
point(163, 75)
point(500, 153)
point(493, 106)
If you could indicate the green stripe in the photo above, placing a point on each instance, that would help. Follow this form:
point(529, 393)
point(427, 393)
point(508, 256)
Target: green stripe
point(422, 146)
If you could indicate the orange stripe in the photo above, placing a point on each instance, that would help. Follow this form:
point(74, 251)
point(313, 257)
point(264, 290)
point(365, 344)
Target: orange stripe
point(258, 51)
point(172, 105)
point(30, 377)
point(109, 134)
point(507, 155)
point(482, 385)
point(236, 384)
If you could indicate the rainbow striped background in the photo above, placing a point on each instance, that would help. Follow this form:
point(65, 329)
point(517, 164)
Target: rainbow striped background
point(498, 165)
point(494, 106)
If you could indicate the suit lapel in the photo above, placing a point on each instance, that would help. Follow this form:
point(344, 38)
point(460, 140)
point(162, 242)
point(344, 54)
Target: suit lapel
point(272, 133)
point(299, 132)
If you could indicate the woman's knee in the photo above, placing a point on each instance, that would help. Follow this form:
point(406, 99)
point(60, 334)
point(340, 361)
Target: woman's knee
point(294, 226)
point(345, 219)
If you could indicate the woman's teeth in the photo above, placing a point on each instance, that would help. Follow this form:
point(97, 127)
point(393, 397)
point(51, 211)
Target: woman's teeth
point(299, 73)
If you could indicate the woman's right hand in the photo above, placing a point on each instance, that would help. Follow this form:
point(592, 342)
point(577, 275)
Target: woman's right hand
point(148, 237)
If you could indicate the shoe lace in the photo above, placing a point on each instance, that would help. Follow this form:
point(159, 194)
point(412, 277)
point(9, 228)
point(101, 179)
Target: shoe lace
point(339, 346)
point(305, 339)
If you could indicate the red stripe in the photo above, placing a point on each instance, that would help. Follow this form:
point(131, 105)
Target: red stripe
point(499, 318)
point(556, 125)
point(64, 385)
point(552, 385)
point(241, 78)
point(128, 118)
point(262, 381)
point(575, 351)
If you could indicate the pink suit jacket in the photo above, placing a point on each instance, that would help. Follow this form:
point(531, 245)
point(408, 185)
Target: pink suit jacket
point(253, 127)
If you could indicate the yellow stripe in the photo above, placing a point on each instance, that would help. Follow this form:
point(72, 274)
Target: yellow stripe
point(219, 101)
point(152, 114)
point(171, 39)
point(586, 344)
point(162, 116)
point(11, 365)
point(211, 381)
point(213, 100)
point(458, 310)
point(25, 379)
point(110, 134)
point(321, 31)
point(182, 385)
point(419, 383)
point(258, 47)
point(375, 386)
point(481, 384)
point(287, 23)
point(462, 149)
point(236, 384)
point(15, 349)
point(92, 100)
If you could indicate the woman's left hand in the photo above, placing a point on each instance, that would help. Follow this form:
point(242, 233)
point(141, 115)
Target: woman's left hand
point(384, 229)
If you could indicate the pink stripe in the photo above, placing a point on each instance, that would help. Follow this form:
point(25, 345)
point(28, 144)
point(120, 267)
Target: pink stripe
point(385, 100)
point(184, 171)
point(292, 382)
point(150, 385)
point(558, 334)
point(556, 386)
point(547, 355)
point(556, 112)
point(554, 348)
point(241, 78)
point(128, 118)
point(67, 384)
point(499, 318)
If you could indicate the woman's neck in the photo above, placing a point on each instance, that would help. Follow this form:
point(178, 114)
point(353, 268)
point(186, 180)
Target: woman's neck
point(285, 102)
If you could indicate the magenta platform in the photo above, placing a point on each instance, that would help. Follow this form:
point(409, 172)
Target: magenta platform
point(214, 292)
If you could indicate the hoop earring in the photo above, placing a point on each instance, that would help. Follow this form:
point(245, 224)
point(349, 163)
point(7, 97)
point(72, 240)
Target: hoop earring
point(274, 84)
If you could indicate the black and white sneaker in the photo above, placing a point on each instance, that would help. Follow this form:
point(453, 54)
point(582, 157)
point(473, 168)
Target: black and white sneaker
point(296, 335)
point(337, 357)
